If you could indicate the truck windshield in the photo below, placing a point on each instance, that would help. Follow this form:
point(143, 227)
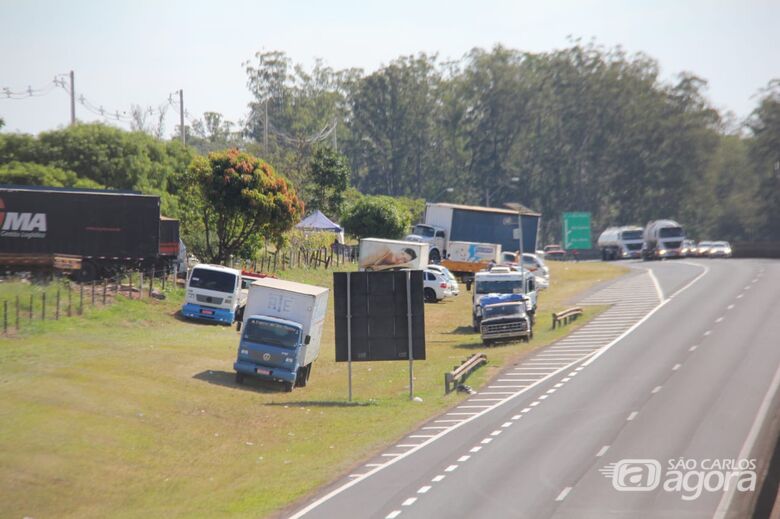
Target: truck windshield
point(423, 230)
point(502, 311)
point(632, 235)
point(213, 280)
point(263, 332)
point(499, 287)
point(671, 232)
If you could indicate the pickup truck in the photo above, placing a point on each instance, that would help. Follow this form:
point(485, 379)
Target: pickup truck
point(502, 280)
point(504, 318)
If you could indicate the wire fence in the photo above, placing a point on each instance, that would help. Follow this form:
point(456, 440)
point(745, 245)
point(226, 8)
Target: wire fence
point(283, 259)
point(60, 298)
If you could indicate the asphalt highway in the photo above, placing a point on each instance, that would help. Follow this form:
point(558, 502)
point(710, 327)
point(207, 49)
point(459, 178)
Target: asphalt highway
point(652, 410)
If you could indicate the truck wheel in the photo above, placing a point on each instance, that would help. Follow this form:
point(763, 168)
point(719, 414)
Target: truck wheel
point(88, 272)
point(239, 378)
point(288, 387)
point(430, 295)
point(434, 256)
point(302, 376)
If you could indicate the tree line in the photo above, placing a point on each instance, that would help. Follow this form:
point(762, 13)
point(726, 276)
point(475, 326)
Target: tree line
point(584, 128)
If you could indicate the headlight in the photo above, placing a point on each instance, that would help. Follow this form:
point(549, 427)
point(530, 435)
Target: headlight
point(662, 252)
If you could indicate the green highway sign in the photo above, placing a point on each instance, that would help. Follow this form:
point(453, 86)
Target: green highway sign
point(576, 231)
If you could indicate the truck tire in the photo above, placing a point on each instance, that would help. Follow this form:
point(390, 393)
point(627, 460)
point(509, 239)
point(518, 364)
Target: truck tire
point(239, 378)
point(88, 272)
point(302, 376)
point(434, 256)
point(288, 387)
point(430, 295)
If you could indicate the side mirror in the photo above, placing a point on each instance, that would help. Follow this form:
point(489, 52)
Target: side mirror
point(307, 339)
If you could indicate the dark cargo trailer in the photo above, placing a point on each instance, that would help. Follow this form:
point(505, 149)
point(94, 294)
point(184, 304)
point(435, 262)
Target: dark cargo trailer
point(93, 231)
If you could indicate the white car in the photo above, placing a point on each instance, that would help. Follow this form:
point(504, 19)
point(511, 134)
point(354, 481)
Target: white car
point(454, 287)
point(436, 286)
point(533, 263)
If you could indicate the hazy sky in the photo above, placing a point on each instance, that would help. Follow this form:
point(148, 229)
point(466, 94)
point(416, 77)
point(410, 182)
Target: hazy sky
point(138, 52)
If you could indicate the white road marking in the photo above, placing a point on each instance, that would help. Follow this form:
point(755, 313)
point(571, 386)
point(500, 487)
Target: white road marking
point(565, 379)
point(406, 445)
point(708, 332)
point(355, 475)
point(719, 320)
point(409, 502)
point(464, 458)
point(496, 432)
point(534, 404)
point(551, 390)
point(486, 441)
point(506, 424)
point(438, 478)
point(563, 494)
point(505, 387)
point(676, 367)
point(424, 489)
point(454, 420)
point(391, 454)
point(603, 451)
point(422, 436)
point(559, 384)
point(525, 409)
point(476, 449)
point(450, 468)
point(632, 416)
point(740, 296)
point(393, 514)
point(484, 399)
point(730, 306)
point(542, 397)
point(656, 389)
point(374, 464)
point(693, 348)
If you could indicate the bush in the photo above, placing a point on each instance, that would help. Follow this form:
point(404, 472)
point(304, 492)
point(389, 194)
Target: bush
point(376, 216)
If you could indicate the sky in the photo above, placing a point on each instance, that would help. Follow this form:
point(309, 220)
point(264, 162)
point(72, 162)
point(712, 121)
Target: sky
point(139, 52)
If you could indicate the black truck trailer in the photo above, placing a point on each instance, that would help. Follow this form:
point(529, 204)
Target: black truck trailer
point(90, 233)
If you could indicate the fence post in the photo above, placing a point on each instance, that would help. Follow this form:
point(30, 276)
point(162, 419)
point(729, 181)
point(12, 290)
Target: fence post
point(17, 313)
point(57, 311)
point(43, 305)
point(93, 293)
point(70, 301)
point(31, 307)
point(105, 287)
point(81, 299)
point(141, 284)
point(164, 277)
point(151, 283)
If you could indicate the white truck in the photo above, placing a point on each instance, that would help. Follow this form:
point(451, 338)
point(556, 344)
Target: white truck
point(281, 332)
point(213, 293)
point(620, 242)
point(380, 254)
point(662, 239)
point(502, 280)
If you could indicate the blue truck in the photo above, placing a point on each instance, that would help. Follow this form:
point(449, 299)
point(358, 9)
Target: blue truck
point(281, 332)
point(504, 318)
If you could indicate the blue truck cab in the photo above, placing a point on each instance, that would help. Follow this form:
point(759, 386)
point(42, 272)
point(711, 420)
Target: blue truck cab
point(281, 332)
point(214, 293)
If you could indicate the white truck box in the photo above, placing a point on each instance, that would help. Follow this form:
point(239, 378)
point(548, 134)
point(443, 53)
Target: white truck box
point(474, 252)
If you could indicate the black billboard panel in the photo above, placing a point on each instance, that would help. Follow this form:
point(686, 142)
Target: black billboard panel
point(379, 315)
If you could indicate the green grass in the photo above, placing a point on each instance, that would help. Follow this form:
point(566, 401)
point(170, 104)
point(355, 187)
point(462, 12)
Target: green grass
point(132, 412)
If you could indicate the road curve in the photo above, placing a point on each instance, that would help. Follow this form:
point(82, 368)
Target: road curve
point(683, 367)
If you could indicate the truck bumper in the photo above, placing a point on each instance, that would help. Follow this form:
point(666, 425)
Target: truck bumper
point(220, 315)
point(264, 372)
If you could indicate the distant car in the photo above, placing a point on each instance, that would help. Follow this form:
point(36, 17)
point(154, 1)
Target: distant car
point(703, 249)
point(454, 286)
point(688, 248)
point(435, 286)
point(719, 249)
point(554, 252)
point(535, 264)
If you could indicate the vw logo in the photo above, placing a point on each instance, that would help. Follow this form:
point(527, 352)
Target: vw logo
point(266, 356)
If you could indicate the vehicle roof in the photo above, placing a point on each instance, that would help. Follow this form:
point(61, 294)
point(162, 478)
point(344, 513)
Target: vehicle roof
point(400, 242)
point(483, 209)
point(275, 320)
point(498, 275)
point(220, 268)
point(289, 286)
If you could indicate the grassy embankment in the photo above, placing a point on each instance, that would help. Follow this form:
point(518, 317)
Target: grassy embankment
point(129, 411)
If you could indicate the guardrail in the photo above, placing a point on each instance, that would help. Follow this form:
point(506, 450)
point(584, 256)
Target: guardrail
point(460, 373)
point(566, 316)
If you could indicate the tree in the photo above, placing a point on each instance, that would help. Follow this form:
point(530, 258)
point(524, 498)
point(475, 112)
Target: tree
point(238, 200)
point(31, 174)
point(764, 123)
point(376, 216)
point(329, 173)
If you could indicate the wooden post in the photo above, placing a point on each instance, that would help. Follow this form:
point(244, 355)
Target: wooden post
point(151, 283)
point(164, 277)
point(93, 293)
point(81, 299)
point(140, 284)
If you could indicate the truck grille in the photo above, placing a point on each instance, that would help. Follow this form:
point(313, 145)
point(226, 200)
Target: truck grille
point(489, 329)
point(633, 246)
point(673, 244)
point(208, 299)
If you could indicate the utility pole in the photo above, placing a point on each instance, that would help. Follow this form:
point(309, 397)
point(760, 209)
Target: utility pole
point(72, 99)
point(265, 130)
point(181, 117)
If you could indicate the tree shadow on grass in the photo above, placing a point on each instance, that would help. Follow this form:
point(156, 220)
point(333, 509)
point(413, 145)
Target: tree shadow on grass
point(228, 379)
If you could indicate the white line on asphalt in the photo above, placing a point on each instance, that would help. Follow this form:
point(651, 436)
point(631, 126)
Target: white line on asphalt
point(632, 416)
point(563, 494)
point(551, 390)
point(740, 296)
point(707, 332)
point(572, 373)
point(525, 409)
point(374, 464)
point(450, 468)
point(438, 478)
point(543, 397)
point(406, 445)
point(559, 384)
point(464, 458)
point(534, 404)
point(647, 316)
point(409, 502)
point(422, 436)
point(747, 447)
point(657, 285)
point(730, 306)
point(579, 368)
point(505, 387)
point(484, 399)
point(475, 449)
point(486, 441)
point(603, 451)
point(693, 348)
point(424, 489)
point(565, 379)
point(354, 475)
point(506, 424)
point(496, 432)
point(748, 287)
point(390, 454)
point(393, 514)
point(454, 420)
point(517, 417)
point(656, 389)
point(676, 367)
point(719, 319)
